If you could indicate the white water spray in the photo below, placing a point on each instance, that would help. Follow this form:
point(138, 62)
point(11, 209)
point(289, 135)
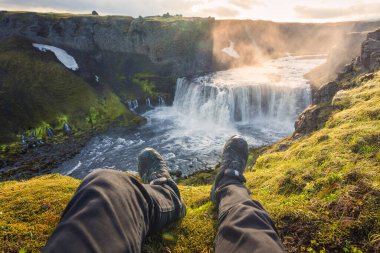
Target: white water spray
point(161, 101)
point(260, 103)
point(133, 105)
point(148, 104)
point(274, 93)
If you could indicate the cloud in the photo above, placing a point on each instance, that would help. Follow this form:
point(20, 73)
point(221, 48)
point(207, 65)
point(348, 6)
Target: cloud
point(111, 7)
point(122, 7)
point(220, 12)
point(370, 10)
point(178, 5)
point(53, 4)
point(244, 4)
point(280, 10)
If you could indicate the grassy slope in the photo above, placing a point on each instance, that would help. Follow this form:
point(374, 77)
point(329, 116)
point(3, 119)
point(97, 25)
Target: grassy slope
point(323, 191)
point(37, 91)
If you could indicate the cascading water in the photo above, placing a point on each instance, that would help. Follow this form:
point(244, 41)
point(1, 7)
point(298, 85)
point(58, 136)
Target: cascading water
point(161, 101)
point(133, 105)
point(272, 94)
point(260, 103)
point(148, 104)
point(225, 105)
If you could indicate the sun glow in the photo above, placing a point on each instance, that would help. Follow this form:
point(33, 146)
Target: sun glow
point(276, 10)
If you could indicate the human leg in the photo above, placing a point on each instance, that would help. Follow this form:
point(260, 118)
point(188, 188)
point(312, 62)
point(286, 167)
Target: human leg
point(113, 212)
point(244, 225)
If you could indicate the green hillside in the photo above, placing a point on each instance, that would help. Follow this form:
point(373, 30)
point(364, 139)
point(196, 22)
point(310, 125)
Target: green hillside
point(36, 91)
point(322, 190)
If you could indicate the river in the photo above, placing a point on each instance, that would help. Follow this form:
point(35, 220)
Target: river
point(261, 103)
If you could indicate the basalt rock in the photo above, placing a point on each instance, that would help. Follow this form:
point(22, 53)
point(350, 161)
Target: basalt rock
point(185, 45)
point(326, 92)
point(370, 56)
point(311, 119)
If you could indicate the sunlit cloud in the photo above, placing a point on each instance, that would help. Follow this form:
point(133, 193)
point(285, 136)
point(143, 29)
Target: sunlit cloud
point(276, 10)
point(245, 4)
point(371, 10)
point(220, 11)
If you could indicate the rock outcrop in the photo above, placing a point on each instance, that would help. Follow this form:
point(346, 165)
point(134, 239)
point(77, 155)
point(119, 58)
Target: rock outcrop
point(318, 113)
point(370, 56)
point(325, 93)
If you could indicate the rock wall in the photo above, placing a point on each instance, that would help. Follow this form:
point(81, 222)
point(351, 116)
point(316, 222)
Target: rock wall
point(176, 46)
point(185, 44)
point(370, 56)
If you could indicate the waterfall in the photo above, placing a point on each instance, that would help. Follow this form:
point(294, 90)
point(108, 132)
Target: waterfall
point(259, 103)
point(161, 101)
point(148, 104)
point(207, 100)
point(133, 105)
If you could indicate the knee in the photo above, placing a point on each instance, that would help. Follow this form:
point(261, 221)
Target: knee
point(106, 178)
point(100, 174)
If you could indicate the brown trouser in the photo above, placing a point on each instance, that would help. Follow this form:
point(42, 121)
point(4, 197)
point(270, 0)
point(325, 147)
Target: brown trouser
point(112, 212)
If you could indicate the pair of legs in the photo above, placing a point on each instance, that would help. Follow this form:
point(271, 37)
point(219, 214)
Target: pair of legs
point(112, 212)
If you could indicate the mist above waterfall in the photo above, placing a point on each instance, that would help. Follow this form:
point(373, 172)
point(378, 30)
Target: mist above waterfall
point(260, 103)
point(273, 93)
point(255, 42)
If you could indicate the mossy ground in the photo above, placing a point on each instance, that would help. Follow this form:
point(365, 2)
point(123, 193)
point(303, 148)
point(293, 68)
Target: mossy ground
point(30, 209)
point(323, 191)
point(144, 82)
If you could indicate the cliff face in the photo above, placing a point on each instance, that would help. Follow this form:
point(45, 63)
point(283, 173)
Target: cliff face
point(185, 44)
point(175, 45)
point(370, 56)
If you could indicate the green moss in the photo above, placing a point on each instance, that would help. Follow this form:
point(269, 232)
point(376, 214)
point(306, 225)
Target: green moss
point(25, 15)
point(28, 210)
point(168, 19)
point(200, 178)
point(322, 191)
point(254, 153)
point(145, 81)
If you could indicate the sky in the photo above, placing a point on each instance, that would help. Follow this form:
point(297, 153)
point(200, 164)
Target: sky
point(276, 10)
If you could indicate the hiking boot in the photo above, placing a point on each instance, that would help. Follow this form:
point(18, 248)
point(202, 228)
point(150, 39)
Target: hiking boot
point(234, 159)
point(154, 170)
point(152, 167)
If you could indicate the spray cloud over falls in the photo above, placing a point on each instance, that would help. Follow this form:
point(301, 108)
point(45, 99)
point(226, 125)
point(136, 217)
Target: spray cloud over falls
point(258, 41)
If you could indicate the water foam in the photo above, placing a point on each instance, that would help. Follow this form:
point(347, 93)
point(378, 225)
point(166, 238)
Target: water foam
point(260, 103)
point(274, 93)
